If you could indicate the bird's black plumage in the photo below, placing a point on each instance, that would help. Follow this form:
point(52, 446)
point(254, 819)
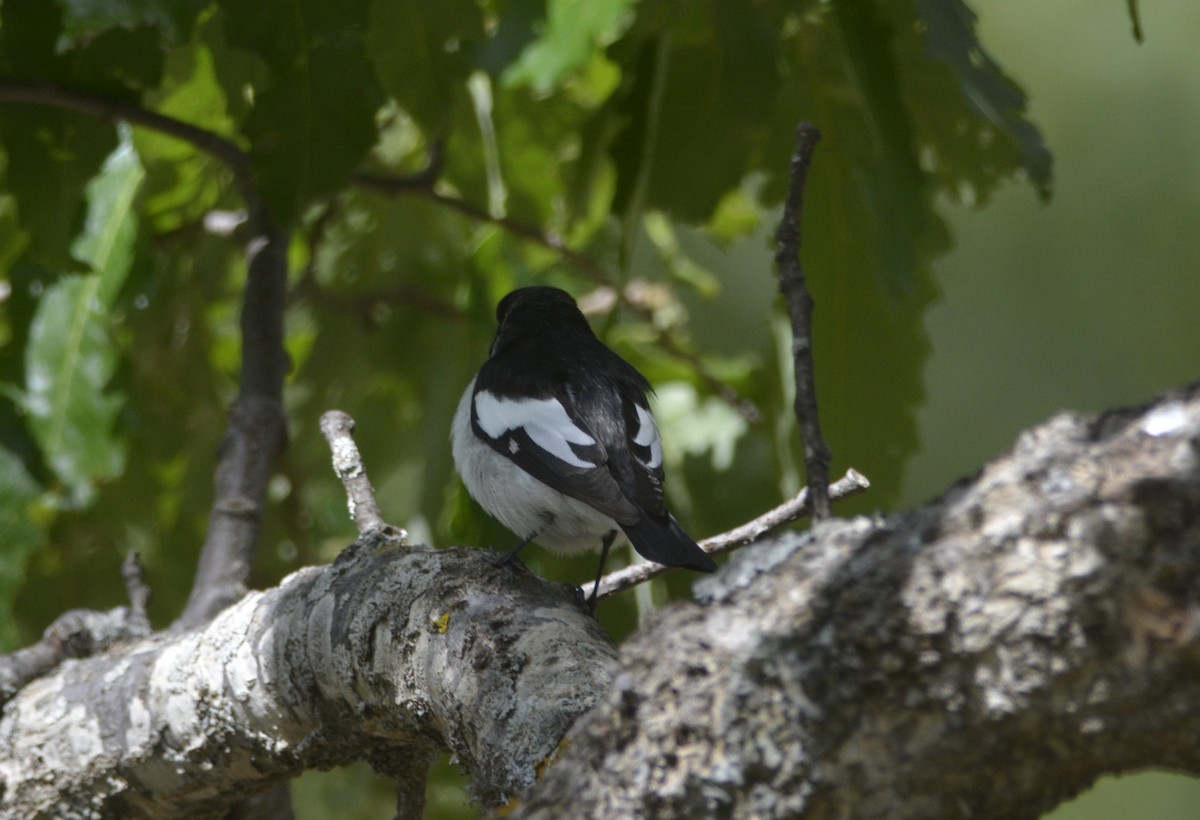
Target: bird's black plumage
point(557, 404)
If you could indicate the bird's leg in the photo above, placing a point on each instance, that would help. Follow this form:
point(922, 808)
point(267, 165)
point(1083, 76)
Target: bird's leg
point(506, 559)
point(605, 544)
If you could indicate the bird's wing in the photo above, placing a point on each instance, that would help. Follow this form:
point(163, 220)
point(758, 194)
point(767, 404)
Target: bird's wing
point(542, 438)
point(644, 446)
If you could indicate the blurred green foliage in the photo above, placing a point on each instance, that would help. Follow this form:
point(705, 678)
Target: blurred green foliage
point(654, 138)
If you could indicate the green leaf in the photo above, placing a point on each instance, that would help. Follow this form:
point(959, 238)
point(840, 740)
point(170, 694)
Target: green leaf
point(420, 57)
point(516, 23)
point(180, 186)
point(20, 536)
point(70, 358)
point(313, 118)
point(312, 129)
point(991, 95)
point(573, 29)
point(695, 110)
point(51, 156)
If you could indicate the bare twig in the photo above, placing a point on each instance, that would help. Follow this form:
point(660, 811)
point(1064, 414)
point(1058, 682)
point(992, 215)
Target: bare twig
point(794, 508)
point(800, 305)
point(337, 428)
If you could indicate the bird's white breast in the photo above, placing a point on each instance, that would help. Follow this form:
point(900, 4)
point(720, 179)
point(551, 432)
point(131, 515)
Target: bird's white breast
point(518, 500)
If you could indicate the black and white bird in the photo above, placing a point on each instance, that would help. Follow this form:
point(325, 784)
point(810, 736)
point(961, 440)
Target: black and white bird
point(554, 438)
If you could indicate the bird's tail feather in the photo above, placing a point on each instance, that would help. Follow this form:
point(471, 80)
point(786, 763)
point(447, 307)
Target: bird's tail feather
point(663, 540)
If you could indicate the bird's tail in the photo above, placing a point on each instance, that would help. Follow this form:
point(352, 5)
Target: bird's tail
point(661, 539)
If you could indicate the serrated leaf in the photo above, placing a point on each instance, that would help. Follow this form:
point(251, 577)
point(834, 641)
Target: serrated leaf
point(694, 111)
point(950, 36)
point(312, 128)
point(70, 358)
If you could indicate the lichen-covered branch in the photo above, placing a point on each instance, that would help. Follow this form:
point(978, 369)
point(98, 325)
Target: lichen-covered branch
point(988, 655)
point(393, 654)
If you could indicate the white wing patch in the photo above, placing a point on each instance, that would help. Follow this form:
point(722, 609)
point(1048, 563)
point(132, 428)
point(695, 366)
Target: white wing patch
point(544, 420)
point(647, 436)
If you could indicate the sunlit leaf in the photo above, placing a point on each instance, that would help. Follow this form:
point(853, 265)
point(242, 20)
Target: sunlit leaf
point(70, 358)
point(572, 31)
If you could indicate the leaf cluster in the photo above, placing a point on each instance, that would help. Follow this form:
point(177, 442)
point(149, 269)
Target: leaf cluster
point(427, 158)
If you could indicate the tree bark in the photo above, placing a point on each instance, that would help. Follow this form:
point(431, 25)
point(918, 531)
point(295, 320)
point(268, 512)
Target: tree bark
point(392, 654)
point(988, 654)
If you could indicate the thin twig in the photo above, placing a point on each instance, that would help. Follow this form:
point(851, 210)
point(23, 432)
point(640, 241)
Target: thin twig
point(337, 428)
point(791, 510)
point(800, 305)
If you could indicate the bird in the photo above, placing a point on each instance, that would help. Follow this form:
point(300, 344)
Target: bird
point(554, 438)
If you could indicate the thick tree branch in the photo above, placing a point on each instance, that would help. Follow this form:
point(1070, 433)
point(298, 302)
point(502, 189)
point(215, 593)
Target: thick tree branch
point(391, 654)
point(800, 306)
point(992, 653)
point(988, 655)
point(257, 432)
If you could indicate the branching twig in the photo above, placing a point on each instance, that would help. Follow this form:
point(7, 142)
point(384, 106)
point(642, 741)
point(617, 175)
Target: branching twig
point(791, 283)
point(797, 507)
point(337, 428)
